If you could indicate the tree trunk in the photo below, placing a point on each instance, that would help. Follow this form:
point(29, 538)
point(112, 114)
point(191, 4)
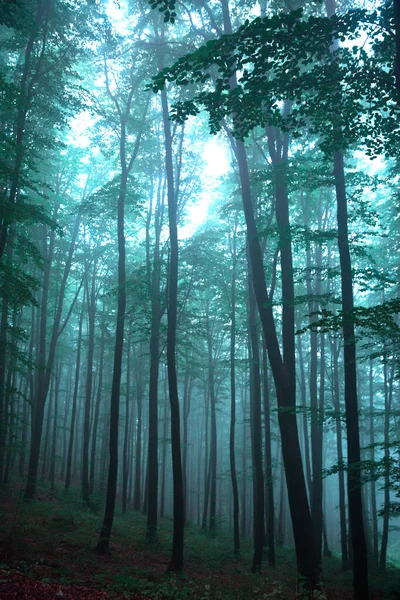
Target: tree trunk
point(125, 457)
point(137, 494)
point(316, 423)
point(103, 544)
point(360, 558)
point(374, 516)
point(256, 437)
point(303, 395)
point(269, 484)
point(207, 471)
point(232, 458)
point(388, 383)
point(156, 314)
point(283, 369)
point(74, 403)
point(213, 432)
point(97, 411)
point(164, 458)
point(91, 306)
point(339, 446)
point(176, 563)
point(243, 521)
point(55, 424)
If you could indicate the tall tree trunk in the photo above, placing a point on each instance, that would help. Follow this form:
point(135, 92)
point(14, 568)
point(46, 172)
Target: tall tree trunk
point(74, 402)
point(156, 314)
point(359, 545)
point(213, 431)
point(303, 395)
point(126, 164)
point(125, 457)
point(97, 411)
point(339, 446)
point(3, 387)
point(47, 429)
point(207, 471)
point(91, 306)
point(164, 457)
point(269, 484)
point(388, 383)
point(374, 515)
point(243, 520)
point(232, 457)
point(103, 544)
point(256, 437)
point(176, 563)
point(137, 494)
point(55, 425)
point(356, 520)
point(316, 424)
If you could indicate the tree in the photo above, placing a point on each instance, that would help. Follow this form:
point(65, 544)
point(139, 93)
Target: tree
point(123, 106)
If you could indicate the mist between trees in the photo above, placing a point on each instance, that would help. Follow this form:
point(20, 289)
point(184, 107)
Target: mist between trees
point(244, 378)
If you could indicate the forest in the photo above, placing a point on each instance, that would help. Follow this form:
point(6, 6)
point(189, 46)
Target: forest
point(199, 319)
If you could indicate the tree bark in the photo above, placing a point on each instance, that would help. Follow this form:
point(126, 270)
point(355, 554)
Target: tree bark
point(74, 403)
point(232, 457)
point(359, 545)
point(91, 307)
point(256, 437)
point(269, 484)
point(176, 562)
point(283, 369)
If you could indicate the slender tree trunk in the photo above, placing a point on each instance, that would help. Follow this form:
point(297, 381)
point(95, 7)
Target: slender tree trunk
point(55, 425)
point(243, 522)
point(137, 495)
point(164, 458)
point(103, 544)
point(186, 409)
point(97, 412)
point(256, 436)
point(359, 545)
point(303, 395)
point(91, 306)
point(374, 516)
point(156, 314)
point(47, 430)
point(3, 388)
point(316, 423)
point(125, 458)
point(269, 484)
point(232, 457)
point(207, 471)
point(74, 403)
point(176, 563)
point(339, 446)
point(213, 432)
point(388, 383)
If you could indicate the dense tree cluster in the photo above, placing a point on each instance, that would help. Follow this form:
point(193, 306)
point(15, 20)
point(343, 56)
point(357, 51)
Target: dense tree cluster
point(239, 371)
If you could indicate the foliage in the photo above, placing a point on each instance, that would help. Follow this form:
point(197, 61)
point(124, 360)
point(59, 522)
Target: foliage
point(265, 51)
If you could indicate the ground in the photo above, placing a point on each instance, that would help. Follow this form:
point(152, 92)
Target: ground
point(46, 552)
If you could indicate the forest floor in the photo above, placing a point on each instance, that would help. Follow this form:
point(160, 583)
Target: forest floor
point(46, 552)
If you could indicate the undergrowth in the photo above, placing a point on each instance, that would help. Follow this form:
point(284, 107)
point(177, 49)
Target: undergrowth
point(53, 539)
